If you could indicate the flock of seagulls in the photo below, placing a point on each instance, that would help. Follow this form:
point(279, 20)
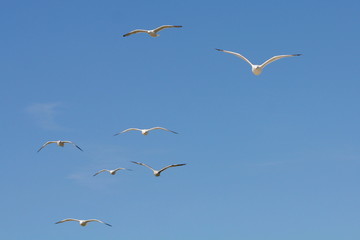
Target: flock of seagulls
point(256, 69)
point(157, 173)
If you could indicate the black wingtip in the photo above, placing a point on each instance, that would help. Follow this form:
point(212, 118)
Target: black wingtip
point(298, 54)
point(218, 49)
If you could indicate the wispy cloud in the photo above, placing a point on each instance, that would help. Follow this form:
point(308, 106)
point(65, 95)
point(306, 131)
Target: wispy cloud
point(44, 114)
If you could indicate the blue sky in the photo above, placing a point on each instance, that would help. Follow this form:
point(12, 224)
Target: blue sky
point(273, 157)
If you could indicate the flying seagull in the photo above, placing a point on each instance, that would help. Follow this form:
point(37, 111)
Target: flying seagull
point(152, 32)
point(59, 143)
point(157, 173)
point(112, 172)
point(257, 69)
point(82, 222)
point(145, 131)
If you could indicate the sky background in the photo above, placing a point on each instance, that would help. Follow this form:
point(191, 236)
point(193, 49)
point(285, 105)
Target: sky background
point(269, 157)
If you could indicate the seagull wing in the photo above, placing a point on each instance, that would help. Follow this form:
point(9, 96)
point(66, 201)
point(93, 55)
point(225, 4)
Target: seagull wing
point(127, 130)
point(67, 220)
point(236, 54)
point(277, 58)
point(47, 143)
point(166, 26)
point(174, 165)
point(119, 169)
point(154, 128)
point(73, 144)
point(135, 31)
point(95, 220)
point(143, 164)
point(104, 170)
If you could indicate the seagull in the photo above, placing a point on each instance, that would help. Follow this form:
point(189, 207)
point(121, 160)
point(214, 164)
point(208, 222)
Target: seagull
point(257, 69)
point(82, 222)
point(59, 143)
point(152, 32)
point(145, 131)
point(157, 173)
point(112, 172)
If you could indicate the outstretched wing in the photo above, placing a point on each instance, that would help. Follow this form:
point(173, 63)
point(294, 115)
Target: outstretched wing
point(135, 31)
point(166, 26)
point(47, 143)
point(127, 130)
point(277, 58)
point(122, 169)
point(143, 164)
point(67, 220)
point(104, 170)
point(174, 165)
point(73, 144)
point(154, 128)
point(236, 54)
point(95, 220)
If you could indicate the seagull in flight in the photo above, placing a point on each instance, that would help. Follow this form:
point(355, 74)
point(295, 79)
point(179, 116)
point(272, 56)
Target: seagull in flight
point(82, 222)
point(112, 172)
point(157, 172)
point(59, 143)
point(145, 131)
point(257, 69)
point(152, 32)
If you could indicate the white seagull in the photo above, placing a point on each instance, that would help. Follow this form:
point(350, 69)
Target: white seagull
point(82, 222)
point(257, 69)
point(145, 131)
point(152, 32)
point(59, 143)
point(157, 172)
point(112, 172)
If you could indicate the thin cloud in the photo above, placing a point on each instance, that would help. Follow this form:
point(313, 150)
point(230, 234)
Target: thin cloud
point(44, 114)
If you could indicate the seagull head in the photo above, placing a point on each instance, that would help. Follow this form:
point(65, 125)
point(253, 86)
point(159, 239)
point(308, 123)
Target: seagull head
point(256, 69)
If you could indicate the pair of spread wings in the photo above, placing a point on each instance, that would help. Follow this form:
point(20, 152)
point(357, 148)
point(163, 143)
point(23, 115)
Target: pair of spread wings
point(150, 129)
point(49, 142)
point(154, 30)
point(161, 170)
point(106, 170)
point(265, 63)
point(86, 221)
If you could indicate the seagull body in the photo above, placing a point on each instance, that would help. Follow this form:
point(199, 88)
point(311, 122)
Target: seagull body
point(59, 143)
point(158, 172)
point(257, 69)
point(82, 222)
point(112, 172)
point(145, 131)
point(152, 32)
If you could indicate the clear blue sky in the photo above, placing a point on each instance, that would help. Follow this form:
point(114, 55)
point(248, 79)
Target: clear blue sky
point(270, 157)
